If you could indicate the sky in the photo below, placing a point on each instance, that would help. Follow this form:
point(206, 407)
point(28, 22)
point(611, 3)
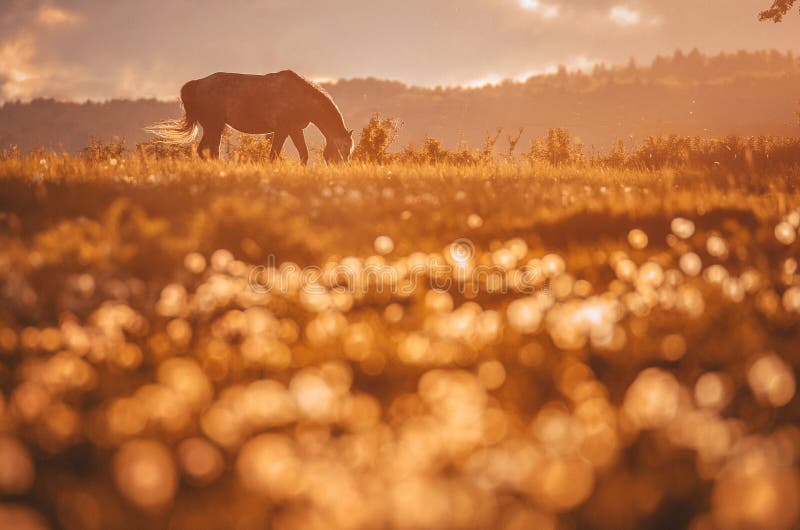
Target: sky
point(102, 49)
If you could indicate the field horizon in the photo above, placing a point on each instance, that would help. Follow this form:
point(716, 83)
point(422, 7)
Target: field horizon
point(686, 93)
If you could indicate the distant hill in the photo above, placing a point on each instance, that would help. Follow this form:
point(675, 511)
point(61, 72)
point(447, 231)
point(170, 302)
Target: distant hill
point(746, 93)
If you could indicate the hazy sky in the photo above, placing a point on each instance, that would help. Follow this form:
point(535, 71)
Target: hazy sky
point(99, 49)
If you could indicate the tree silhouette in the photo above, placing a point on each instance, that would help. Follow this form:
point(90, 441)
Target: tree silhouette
point(778, 10)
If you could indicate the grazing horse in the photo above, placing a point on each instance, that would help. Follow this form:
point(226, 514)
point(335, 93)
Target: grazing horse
point(283, 103)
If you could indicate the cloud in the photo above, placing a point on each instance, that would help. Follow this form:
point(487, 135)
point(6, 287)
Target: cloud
point(50, 16)
point(19, 74)
point(551, 11)
point(25, 51)
point(546, 11)
point(25, 75)
point(624, 16)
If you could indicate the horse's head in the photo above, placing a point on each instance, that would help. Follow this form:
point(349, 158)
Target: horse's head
point(339, 148)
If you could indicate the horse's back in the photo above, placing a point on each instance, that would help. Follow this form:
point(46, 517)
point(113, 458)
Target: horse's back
point(254, 103)
point(235, 79)
point(285, 86)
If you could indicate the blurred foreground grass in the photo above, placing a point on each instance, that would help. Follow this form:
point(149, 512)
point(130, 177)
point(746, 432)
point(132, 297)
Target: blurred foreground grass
point(211, 345)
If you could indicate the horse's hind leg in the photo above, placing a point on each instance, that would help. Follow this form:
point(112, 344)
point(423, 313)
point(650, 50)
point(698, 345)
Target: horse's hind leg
point(209, 145)
point(299, 141)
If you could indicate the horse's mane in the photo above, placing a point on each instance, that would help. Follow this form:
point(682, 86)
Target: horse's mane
point(318, 94)
point(316, 86)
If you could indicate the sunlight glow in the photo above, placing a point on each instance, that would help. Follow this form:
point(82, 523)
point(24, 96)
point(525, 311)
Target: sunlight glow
point(488, 80)
point(624, 16)
point(18, 76)
point(578, 64)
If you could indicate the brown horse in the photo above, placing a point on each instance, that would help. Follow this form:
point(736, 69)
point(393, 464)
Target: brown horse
point(283, 103)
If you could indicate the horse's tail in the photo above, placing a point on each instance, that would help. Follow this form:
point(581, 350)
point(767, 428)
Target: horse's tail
point(181, 131)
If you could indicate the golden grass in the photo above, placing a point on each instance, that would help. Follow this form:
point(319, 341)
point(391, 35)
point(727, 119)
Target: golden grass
point(642, 373)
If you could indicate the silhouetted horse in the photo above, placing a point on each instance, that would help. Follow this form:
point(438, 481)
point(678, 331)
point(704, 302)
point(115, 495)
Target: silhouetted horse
point(283, 103)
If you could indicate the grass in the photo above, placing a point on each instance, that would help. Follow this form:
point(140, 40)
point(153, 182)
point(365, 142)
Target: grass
point(632, 384)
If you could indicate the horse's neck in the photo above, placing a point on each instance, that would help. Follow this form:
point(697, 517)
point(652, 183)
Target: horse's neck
point(328, 119)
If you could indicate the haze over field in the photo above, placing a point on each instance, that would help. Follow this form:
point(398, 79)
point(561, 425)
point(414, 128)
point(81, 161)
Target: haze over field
point(78, 49)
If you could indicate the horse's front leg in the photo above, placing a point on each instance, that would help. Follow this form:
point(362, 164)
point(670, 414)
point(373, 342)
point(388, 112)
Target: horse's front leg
point(278, 139)
point(299, 141)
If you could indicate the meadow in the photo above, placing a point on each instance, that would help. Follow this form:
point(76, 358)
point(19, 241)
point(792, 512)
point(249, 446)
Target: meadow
point(410, 341)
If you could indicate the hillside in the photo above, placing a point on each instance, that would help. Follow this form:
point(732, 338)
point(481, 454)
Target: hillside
point(692, 94)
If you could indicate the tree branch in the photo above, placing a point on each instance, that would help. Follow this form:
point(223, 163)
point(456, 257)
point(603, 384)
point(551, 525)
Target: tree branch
point(778, 10)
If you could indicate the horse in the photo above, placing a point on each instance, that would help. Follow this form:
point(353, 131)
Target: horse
point(282, 103)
